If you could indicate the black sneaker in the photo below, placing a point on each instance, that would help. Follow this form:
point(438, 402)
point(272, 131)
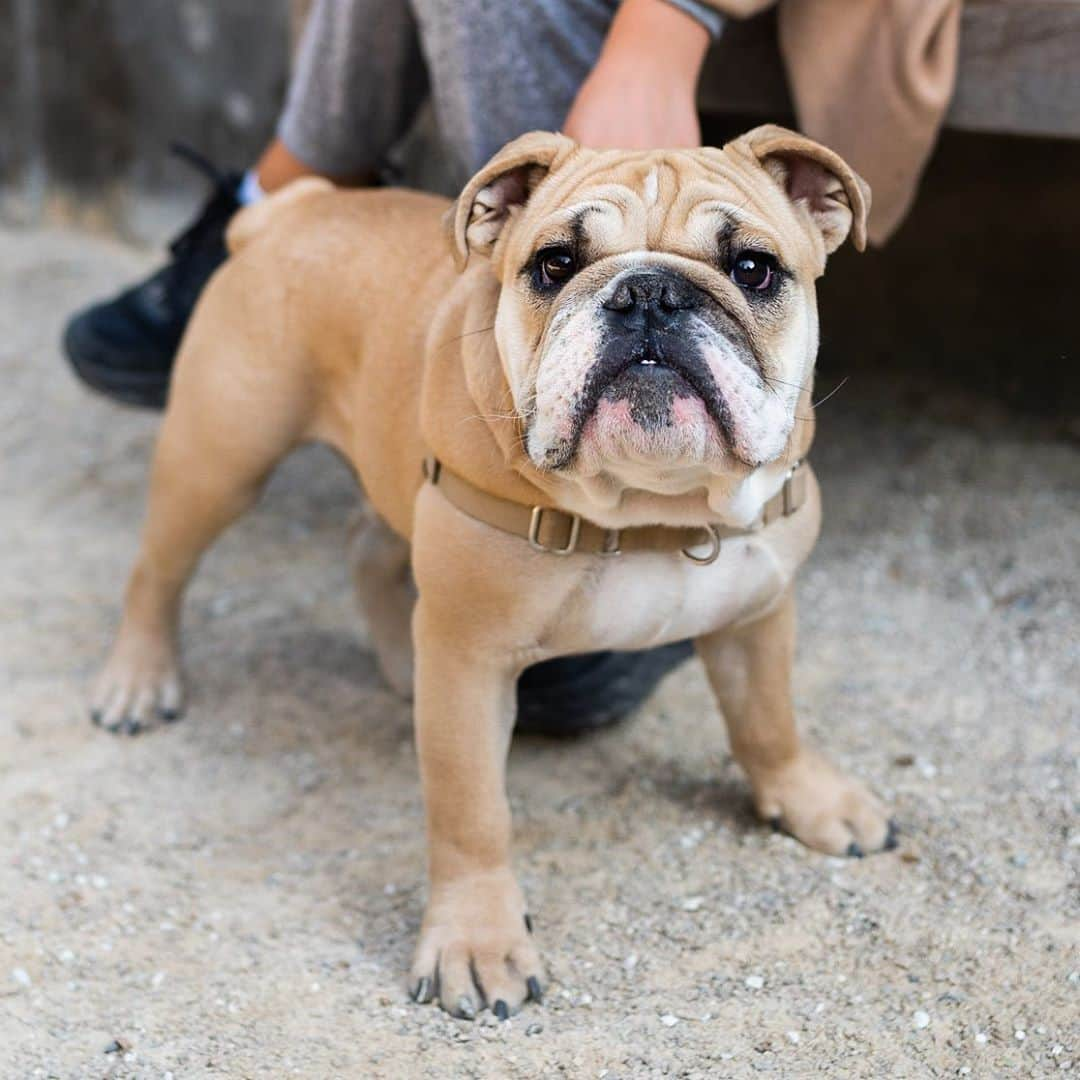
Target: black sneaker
point(576, 694)
point(125, 347)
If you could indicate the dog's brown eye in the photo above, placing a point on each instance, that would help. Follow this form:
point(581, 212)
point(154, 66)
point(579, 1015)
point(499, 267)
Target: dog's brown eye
point(556, 265)
point(753, 270)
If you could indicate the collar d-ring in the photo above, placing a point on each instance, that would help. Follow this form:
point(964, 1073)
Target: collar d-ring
point(713, 537)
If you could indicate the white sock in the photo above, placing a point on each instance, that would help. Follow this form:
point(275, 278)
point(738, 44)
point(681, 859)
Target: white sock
point(250, 190)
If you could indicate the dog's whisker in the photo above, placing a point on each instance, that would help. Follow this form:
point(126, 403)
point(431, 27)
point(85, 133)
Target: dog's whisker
point(468, 333)
point(782, 382)
point(489, 416)
point(821, 401)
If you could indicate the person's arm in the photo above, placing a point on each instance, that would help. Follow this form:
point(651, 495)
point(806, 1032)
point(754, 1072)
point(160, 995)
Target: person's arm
point(641, 93)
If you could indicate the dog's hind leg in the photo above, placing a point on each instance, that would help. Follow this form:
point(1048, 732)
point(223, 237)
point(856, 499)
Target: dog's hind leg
point(230, 419)
point(386, 595)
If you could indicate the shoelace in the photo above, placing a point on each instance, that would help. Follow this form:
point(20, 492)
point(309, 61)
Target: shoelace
point(222, 201)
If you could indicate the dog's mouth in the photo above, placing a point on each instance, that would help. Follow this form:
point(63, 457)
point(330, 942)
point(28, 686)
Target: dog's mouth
point(652, 384)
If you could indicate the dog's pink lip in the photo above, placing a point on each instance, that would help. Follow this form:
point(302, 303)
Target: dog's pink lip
point(712, 412)
point(690, 409)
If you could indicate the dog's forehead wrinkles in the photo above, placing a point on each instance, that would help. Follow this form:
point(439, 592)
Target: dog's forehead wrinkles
point(651, 187)
point(653, 199)
point(602, 219)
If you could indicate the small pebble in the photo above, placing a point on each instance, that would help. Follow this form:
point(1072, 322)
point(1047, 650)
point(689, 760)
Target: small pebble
point(981, 1037)
point(1020, 1034)
point(754, 982)
point(668, 1020)
point(920, 1019)
point(693, 903)
point(793, 1036)
point(534, 1029)
point(21, 976)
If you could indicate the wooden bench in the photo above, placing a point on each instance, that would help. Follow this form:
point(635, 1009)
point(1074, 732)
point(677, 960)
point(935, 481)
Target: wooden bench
point(1019, 69)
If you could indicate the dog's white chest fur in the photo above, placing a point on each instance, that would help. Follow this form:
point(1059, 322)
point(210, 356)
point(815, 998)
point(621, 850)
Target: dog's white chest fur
point(642, 599)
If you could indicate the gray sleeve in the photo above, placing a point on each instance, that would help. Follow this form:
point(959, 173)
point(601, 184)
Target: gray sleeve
point(704, 13)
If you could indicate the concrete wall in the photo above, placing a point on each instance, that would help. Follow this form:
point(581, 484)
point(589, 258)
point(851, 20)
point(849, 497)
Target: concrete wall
point(92, 92)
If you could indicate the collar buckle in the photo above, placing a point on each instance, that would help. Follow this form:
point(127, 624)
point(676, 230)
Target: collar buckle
point(534, 531)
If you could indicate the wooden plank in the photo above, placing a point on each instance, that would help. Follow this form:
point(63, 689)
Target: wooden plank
point(1019, 69)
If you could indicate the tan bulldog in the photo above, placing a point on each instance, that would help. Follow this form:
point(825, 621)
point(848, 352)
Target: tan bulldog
point(608, 377)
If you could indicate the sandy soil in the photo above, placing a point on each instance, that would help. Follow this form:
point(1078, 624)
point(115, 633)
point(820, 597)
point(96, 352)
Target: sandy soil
point(237, 895)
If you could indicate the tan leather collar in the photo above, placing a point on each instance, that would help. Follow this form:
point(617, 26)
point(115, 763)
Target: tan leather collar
point(560, 533)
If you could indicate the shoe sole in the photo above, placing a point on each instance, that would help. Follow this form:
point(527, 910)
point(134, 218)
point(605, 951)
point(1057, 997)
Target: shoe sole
point(605, 691)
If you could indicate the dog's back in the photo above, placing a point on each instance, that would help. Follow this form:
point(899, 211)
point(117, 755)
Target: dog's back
point(329, 294)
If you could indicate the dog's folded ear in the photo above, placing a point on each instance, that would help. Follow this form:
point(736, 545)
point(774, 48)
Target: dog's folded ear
point(836, 198)
point(488, 200)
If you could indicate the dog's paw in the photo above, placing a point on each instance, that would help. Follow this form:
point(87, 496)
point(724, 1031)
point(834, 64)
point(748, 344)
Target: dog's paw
point(828, 811)
point(475, 949)
point(138, 688)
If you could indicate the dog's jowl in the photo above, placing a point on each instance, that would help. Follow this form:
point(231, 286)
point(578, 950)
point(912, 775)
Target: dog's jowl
point(578, 400)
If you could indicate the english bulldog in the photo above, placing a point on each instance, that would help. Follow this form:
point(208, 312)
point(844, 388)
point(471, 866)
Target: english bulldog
point(582, 424)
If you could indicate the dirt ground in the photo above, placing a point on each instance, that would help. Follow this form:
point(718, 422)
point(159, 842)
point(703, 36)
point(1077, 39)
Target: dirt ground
point(237, 895)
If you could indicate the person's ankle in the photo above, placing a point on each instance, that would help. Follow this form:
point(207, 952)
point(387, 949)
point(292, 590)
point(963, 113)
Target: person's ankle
point(279, 166)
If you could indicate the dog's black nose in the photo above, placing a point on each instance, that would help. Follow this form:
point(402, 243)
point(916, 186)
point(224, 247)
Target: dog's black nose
point(658, 293)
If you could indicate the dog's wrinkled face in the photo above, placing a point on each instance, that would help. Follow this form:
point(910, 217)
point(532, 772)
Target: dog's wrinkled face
point(657, 318)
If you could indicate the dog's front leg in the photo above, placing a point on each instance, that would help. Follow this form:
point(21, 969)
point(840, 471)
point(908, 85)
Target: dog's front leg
point(474, 946)
point(749, 667)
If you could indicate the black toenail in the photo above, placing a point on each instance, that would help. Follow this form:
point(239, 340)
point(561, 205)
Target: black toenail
point(95, 717)
point(777, 825)
point(132, 727)
point(535, 992)
point(170, 716)
point(466, 1008)
point(501, 1010)
point(422, 991)
point(854, 851)
point(528, 923)
point(892, 837)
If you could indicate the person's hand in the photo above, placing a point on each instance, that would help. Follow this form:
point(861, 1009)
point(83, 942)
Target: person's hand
point(641, 93)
